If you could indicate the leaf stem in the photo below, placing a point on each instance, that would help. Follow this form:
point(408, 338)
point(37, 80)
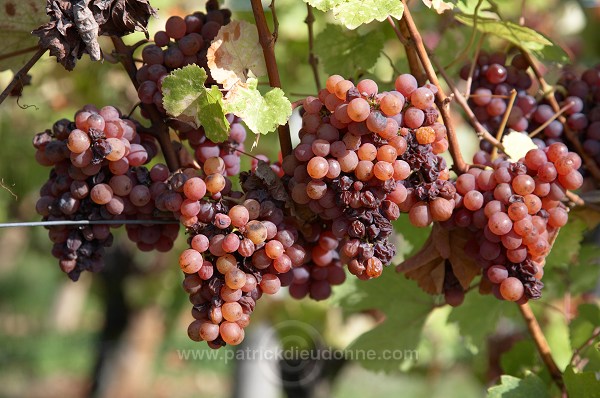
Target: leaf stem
point(576, 359)
point(481, 131)
point(267, 42)
point(541, 344)
point(159, 128)
point(502, 126)
point(442, 101)
point(312, 58)
point(21, 73)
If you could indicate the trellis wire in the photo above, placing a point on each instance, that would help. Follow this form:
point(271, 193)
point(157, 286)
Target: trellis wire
point(84, 222)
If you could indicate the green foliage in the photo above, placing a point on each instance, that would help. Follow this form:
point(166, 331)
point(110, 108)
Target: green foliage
point(581, 385)
point(262, 114)
point(405, 306)
point(478, 316)
point(513, 387)
point(521, 36)
point(353, 13)
point(17, 20)
point(567, 244)
point(186, 98)
point(355, 53)
point(583, 333)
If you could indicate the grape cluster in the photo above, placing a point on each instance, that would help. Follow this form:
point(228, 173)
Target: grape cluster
point(97, 174)
point(492, 81)
point(362, 157)
point(582, 93)
point(240, 245)
point(183, 42)
point(513, 212)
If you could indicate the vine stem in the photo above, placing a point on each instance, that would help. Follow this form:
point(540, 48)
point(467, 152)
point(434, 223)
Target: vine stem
point(511, 102)
point(18, 52)
point(590, 164)
point(21, 73)
point(462, 101)
point(411, 53)
point(159, 128)
point(267, 42)
point(576, 358)
point(443, 102)
point(542, 344)
point(312, 58)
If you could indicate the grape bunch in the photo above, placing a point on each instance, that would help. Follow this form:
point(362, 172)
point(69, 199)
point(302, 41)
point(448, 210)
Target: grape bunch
point(183, 42)
point(96, 174)
point(363, 157)
point(239, 246)
point(513, 213)
point(582, 93)
point(492, 81)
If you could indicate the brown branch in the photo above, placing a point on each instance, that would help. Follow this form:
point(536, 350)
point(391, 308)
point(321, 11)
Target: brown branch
point(275, 20)
point(576, 358)
point(502, 126)
point(442, 101)
point(267, 43)
point(481, 131)
point(542, 344)
point(473, 65)
point(159, 127)
point(572, 136)
point(312, 58)
point(18, 52)
point(21, 74)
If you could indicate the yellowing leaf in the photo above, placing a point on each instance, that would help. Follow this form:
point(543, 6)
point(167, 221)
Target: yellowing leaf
point(516, 145)
point(234, 53)
point(438, 5)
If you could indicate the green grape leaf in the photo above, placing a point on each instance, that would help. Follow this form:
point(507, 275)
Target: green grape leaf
point(581, 385)
point(520, 36)
point(478, 316)
point(17, 20)
point(521, 357)
point(406, 311)
point(354, 52)
point(186, 99)
point(583, 333)
point(513, 387)
point(353, 13)
point(567, 245)
point(262, 114)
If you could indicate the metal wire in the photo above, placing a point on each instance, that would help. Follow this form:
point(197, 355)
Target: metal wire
point(84, 222)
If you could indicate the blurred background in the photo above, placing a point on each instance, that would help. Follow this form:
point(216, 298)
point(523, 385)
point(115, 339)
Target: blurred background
point(122, 333)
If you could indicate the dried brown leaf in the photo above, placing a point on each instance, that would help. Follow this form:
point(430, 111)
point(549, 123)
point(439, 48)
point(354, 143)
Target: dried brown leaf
point(74, 27)
point(427, 267)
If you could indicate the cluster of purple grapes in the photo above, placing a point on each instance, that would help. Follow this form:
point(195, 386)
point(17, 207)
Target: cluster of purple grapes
point(492, 82)
point(582, 93)
point(183, 42)
point(97, 174)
